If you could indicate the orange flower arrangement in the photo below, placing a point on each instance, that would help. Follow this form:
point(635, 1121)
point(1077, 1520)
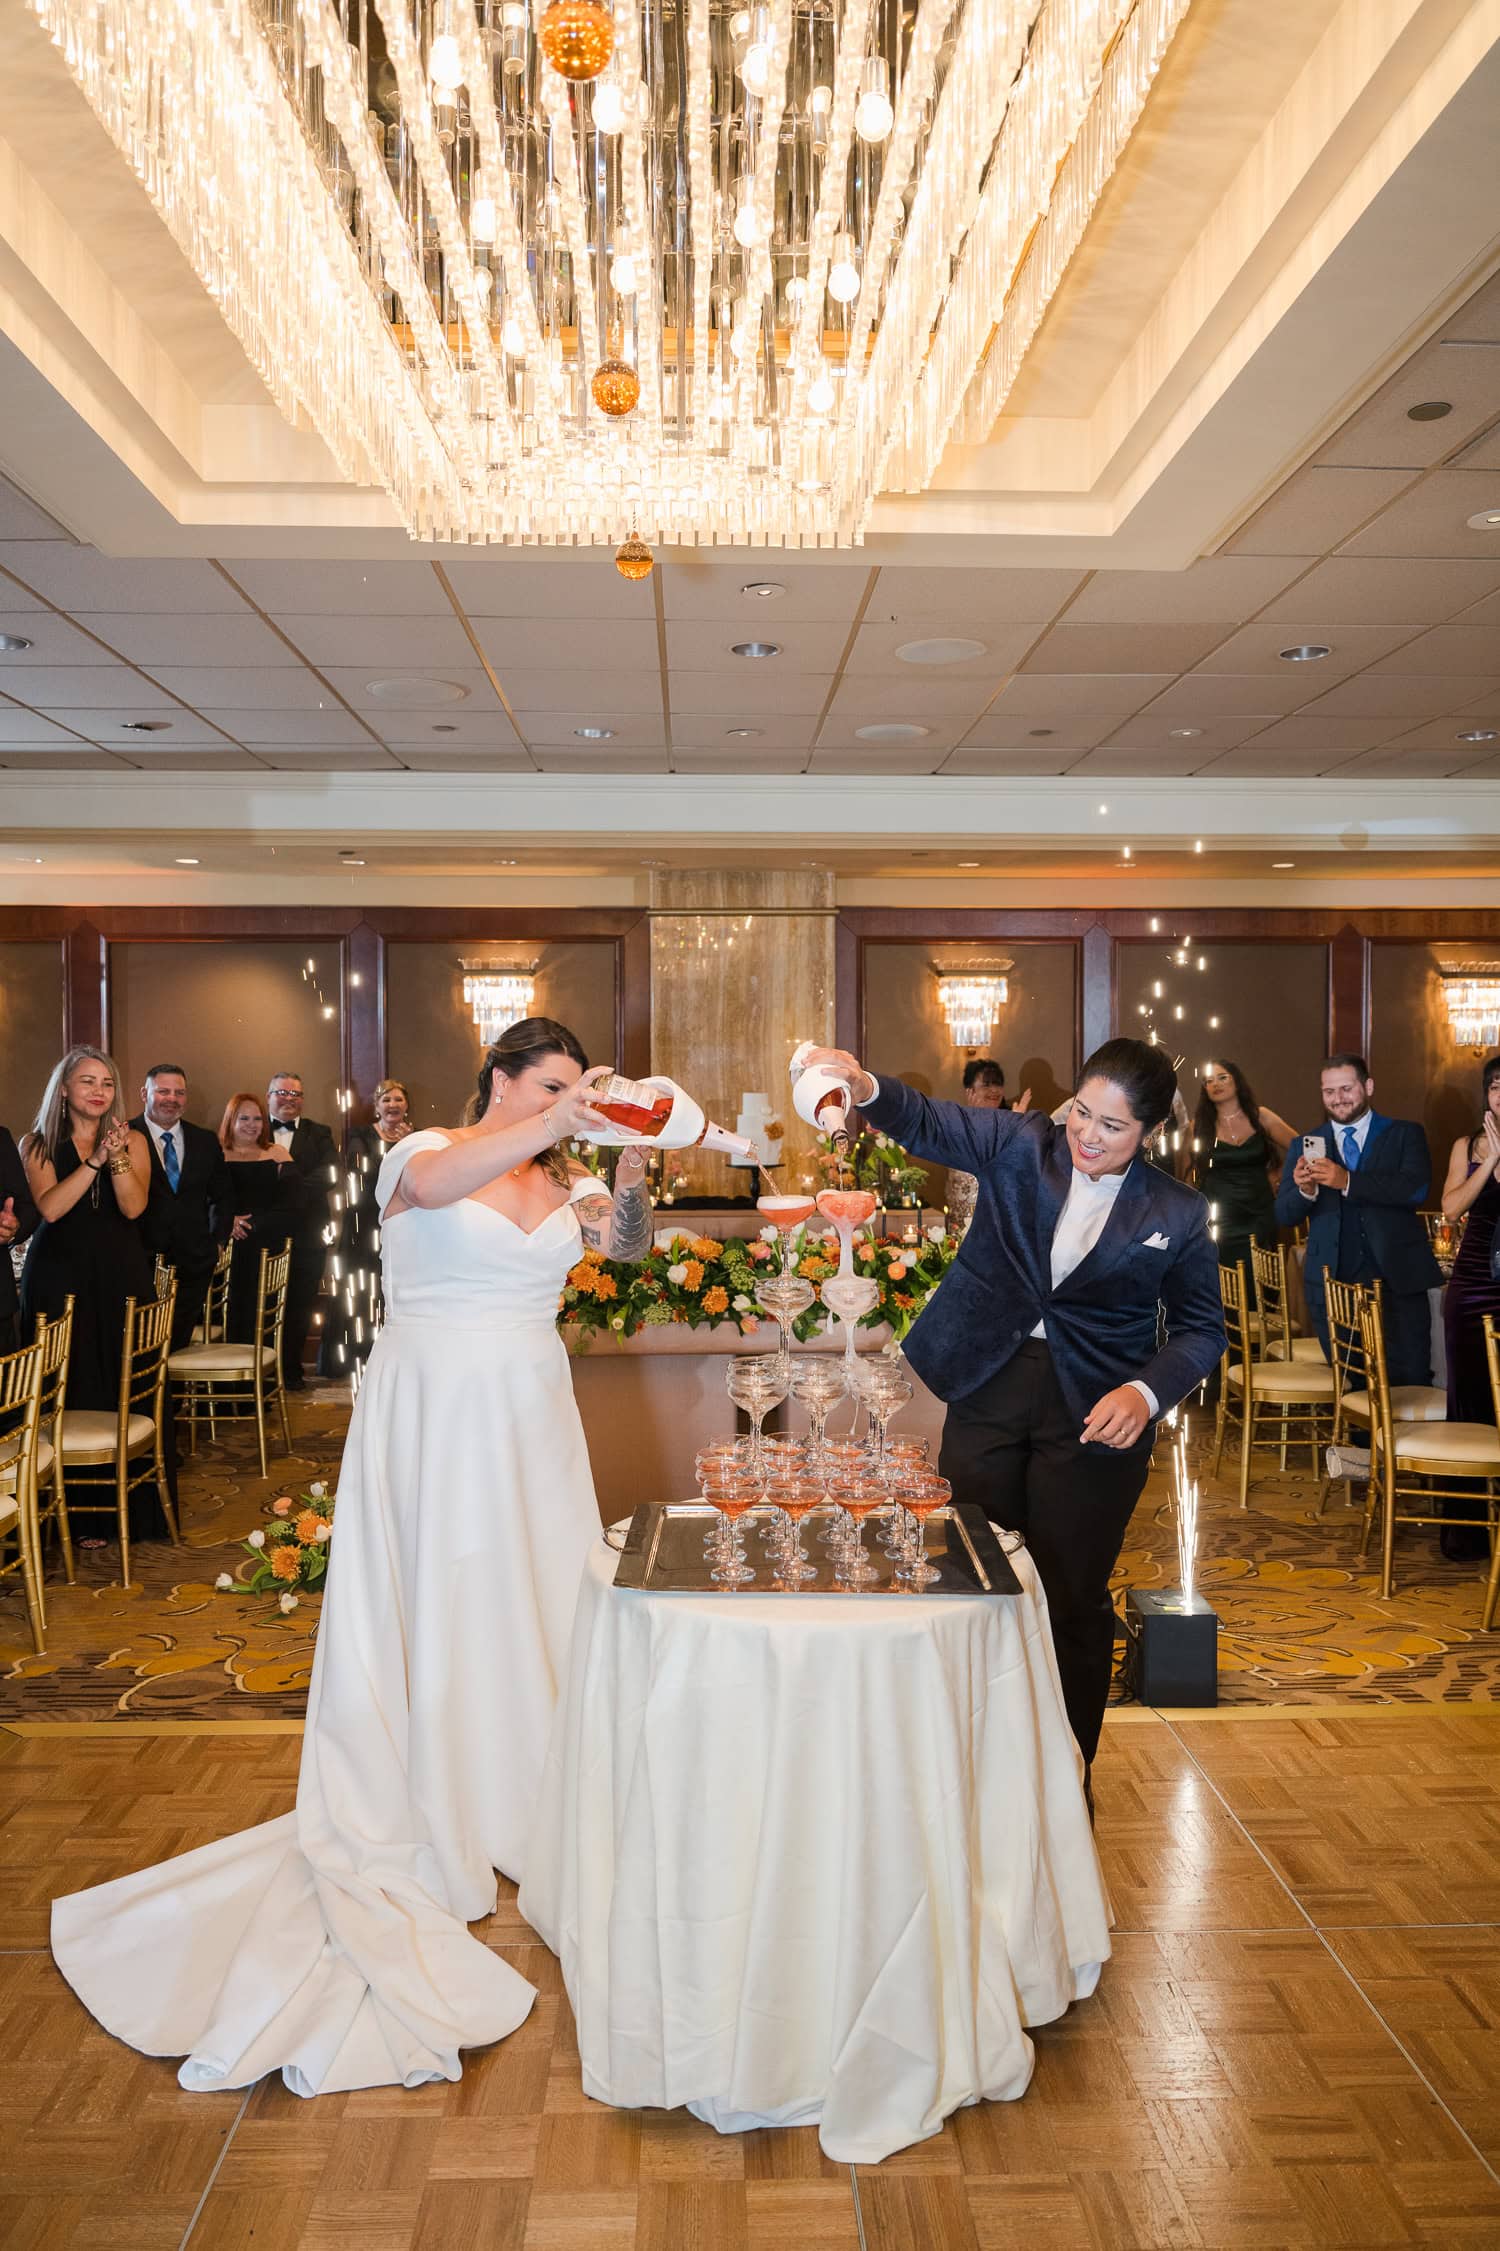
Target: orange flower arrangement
point(707, 1249)
point(286, 1564)
point(290, 1550)
point(716, 1300)
point(692, 1277)
point(605, 1285)
point(307, 1525)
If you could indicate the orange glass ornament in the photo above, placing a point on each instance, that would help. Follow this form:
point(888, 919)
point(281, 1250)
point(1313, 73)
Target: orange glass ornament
point(577, 37)
point(616, 387)
point(634, 559)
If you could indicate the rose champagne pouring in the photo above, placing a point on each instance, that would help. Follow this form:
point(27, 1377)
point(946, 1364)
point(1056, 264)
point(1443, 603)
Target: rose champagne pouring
point(849, 1296)
point(785, 1295)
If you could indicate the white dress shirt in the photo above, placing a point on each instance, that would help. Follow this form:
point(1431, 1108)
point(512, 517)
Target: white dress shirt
point(159, 1134)
point(1360, 1128)
point(282, 1131)
point(1084, 1218)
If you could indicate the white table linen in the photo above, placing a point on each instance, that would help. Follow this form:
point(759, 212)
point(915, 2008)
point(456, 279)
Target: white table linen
point(814, 1859)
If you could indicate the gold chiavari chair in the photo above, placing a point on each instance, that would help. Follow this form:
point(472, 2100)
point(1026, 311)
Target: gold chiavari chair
point(54, 1342)
point(1409, 1462)
point(1292, 1394)
point(1268, 1264)
point(211, 1376)
point(1409, 1402)
point(20, 1416)
point(129, 1441)
point(210, 1330)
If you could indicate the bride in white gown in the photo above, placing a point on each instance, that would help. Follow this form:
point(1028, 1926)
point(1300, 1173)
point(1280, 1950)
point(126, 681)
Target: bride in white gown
point(331, 1944)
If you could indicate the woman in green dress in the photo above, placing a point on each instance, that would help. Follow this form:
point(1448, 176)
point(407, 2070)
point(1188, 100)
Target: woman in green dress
point(1238, 1148)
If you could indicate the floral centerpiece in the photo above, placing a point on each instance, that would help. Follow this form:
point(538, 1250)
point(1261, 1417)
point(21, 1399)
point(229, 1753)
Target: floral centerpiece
point(290, 1550)
point(696, 1282)
point(877, 1163)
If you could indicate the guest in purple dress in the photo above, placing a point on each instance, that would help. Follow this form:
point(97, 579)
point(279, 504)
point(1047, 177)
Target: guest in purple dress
point(1472, 1188)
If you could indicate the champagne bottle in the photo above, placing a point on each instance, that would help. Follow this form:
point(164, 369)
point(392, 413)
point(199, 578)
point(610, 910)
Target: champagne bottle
point(661, 1112)
point(823, 1100)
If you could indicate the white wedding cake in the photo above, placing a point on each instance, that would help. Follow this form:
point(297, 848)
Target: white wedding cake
point(762, 1128)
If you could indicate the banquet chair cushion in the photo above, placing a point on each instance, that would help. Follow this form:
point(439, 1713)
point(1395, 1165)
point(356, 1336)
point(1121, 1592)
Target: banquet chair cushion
point(92, 1430)
point(10, 1448)
point(1470, 1445)
point(1303, 1348)
point(1410, 1403)
point(9, 1511)
point(218, 1360)
point(1286, 1380)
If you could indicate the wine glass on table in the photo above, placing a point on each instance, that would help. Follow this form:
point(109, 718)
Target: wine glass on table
point(733, 1493)
point(859, 1498)
point(796, 1497)
point(922, 1498)
point(757, 1382)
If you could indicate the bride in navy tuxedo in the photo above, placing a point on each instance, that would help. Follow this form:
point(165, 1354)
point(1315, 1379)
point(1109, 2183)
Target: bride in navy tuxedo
point(1084, 1302)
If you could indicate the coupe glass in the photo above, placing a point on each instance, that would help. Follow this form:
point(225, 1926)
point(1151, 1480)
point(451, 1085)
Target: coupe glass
point(733, 1494)
point(818, 1383)
point(922, 1497)
point(796, 1498)
point(757, 1382)
point(858, 1499)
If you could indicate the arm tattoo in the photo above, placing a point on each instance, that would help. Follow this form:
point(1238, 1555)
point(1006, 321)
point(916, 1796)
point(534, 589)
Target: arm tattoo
point(630, 1224)
point(593, 1221)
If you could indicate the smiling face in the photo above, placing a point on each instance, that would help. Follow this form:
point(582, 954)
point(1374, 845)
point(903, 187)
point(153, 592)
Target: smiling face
point(89, 1092)
point(165, 1098)
point(1346, 1096)
point(249, 1124)
point(390, 1108)
point(1103, 1131)
point(285, 1098)
point(533, 1090)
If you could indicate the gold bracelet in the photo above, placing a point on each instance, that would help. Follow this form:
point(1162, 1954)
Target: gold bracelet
point(119, 1164)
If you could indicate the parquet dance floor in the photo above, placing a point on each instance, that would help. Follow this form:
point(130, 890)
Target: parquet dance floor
point(1297, 2044)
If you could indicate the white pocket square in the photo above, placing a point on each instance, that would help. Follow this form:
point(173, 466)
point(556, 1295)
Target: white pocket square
point(1157, 1242)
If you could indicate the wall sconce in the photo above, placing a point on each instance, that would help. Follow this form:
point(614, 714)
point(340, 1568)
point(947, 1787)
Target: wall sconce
point(1471, 991)
point(971, 1000)
point(498, 994)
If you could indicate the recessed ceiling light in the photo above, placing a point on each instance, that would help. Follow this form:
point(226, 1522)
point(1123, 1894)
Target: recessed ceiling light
point(968, 863)
point(892, 731)
point(1488, 519)
point(742, 734)
point(757, 649)
point(595, 734)
point(763, 589)
point(147, 726)
point(1478, 735)
point(1283, 863)
point(507, 863)
point(1305, 652)
point(409, 691)
point(1104, 808)
point(1184, 734)
point(445, 729)
point(11, 644)
point(185, 863)
point(939, 652)
point(1430, 410)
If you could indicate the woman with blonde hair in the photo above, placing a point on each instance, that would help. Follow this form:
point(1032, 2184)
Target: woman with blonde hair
point(89, 1177)
point(268, 1196)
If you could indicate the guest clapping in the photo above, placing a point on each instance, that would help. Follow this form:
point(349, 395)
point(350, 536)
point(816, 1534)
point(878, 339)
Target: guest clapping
point(190, 1204)
point(1473, 1188)
point(1235, 1143)
point(311, 1149)
point(268, 1197)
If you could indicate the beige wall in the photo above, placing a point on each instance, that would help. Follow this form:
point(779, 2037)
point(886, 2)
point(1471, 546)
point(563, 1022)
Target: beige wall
point(31, 1019)
point(1271, 1000)
point(230, 1014)
point(1419, 1071)
point(431, 1040)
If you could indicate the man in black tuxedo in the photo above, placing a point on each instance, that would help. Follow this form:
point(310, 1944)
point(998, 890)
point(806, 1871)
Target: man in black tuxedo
point(18, 1218)
point(1361, 1199)
point(190, 1203)
point(1046, 1336)
point(312, 1150)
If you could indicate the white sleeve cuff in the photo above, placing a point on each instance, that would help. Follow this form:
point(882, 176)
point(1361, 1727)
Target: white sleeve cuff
point(873, 1094)
point(1147, 1394)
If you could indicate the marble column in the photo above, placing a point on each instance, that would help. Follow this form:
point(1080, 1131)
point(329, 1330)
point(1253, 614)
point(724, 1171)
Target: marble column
point(742, 969)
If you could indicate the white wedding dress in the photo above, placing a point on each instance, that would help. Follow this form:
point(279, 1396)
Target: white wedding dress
point(330, 1944)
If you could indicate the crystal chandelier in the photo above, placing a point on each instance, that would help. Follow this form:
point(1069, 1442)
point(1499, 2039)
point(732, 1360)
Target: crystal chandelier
point(1472, 995)
point(497, 997)
point(729, 284)
point(971, 1002)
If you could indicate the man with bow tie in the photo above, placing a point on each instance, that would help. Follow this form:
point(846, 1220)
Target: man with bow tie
point(189, 1203)
point(311, 1148)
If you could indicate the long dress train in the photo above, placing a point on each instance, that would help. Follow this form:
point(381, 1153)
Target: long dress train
point(331, 1943)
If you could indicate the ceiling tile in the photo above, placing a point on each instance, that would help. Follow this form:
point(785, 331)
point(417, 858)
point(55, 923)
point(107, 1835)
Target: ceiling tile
point(1458, 649)
point(89, 687)
point(1432, 519)
point(1484, 453)
point(1316, 509)
point(545, 585)
point(756, 688)
point(20, 518)
point(211, 638)
point(692, 731)
point(1478, 318)
point(603, 697)
point(1045, 696)
point(1443, 734)
point(1152, 730)
point(380, 644)
point(1392, 765)
point(916, 696)
point(816, 594)
point(1380, 436)
point(191, 758)
point(24, 727)
point(1400, 696)
point(1485, 706)
point(1043, 759)
point(994, 730)
point(53, 641)
point(988, 598)
point(460, 760)
point(607, 645)
point(701, 645)
point(1332, 736)
point(270, 687)
point(372, 759)
point(1252, 761)
point(738, 758)
point(1202, 696)
point(331, 726)
point(1350, 590)
point(350, 589)
point(874, 654)
point(841, 734)
point(875, 758)
point(353, 683)
point(77, 760)
point(1173, 762)
point(1122, 649)
point(600, 758)
point(470, 725)
point(14, 596)
point(80, 578)
point(1219, 590)
point(645, 732)
point(182, 727)
point(1257, 648)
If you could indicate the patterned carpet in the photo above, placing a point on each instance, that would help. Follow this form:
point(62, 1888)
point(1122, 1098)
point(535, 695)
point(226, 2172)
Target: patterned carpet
point(1301, 1621)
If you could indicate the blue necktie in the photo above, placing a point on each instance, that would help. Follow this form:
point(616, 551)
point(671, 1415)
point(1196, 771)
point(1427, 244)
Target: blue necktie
point(1351, 1149)
point(169, 1164)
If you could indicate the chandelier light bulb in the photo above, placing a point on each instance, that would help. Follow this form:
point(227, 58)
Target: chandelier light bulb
point(747, 227)
point(622, 277)
point(444, 64)
point(609, 108)
point(513, 339)
point(616, 387)
point(577, 37)
point(633, 559)
point(484, 280)
point(843, 273)
point(513, 36)
point(482, 219)
point(755, 70)
point(739, 24)
point(820, 393)
point(873, 114)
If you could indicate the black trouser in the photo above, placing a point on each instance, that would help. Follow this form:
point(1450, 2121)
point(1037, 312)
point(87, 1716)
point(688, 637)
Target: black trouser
point(1012, 1447)
point(1406, 1323)
point(303, 1285)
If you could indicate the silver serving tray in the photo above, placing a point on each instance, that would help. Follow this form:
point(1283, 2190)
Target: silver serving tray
point(662, 1553)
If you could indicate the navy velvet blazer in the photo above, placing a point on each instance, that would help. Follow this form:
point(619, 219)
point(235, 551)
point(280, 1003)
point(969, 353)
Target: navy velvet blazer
point(1102, 1322)
point(1385, 1188)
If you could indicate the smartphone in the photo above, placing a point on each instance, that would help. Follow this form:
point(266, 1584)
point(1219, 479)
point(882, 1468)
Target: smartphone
point(1313, 1147)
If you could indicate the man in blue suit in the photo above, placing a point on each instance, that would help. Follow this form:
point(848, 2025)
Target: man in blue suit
point(1360, 1199)
point(1046, 1337)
